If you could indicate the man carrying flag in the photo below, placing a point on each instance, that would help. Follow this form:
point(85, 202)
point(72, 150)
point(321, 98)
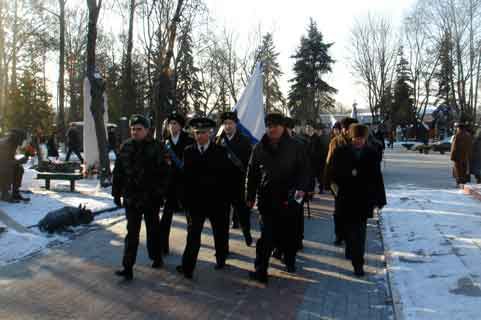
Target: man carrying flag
point(238, 149)
point(175, 144)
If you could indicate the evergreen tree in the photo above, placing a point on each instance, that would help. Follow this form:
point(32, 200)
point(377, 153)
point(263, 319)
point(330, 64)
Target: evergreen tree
point(445, 75)
point(29, 104)
point(113, 90)
point(267, 54)
point(403, 109)
point(309, 93)
point(187, 85)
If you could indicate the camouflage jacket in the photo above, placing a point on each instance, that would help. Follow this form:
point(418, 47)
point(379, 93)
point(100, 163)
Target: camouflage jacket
point(141, 173)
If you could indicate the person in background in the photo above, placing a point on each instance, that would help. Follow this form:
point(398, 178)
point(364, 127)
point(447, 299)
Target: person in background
point(11, 168)
point(73, 143)
point(461, 151)
point(475, 165)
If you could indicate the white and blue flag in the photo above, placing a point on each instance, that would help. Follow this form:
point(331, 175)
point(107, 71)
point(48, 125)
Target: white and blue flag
point(250, 107)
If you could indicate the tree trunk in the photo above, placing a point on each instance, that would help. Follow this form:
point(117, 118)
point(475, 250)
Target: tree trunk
point(13, 77)
point(97, 90)
point(61, 72)
point(164, 81)
point(128, 92)
point(2, 70)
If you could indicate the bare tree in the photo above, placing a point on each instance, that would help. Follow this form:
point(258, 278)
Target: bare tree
point(373, 47)
point(423, 57)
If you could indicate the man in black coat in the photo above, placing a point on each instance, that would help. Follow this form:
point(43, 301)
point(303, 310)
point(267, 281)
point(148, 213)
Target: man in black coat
point(175, 143)
point(357, 174)
point(278, 178)
point(206, 169)
point(140, 179)
point(73, 143)
point(318, 148)
point(239, 149)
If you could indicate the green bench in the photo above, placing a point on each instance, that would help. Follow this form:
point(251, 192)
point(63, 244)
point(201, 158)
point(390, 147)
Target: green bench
point(47, 176)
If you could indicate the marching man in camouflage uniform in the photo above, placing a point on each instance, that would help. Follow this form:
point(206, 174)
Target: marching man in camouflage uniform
point(139, 184)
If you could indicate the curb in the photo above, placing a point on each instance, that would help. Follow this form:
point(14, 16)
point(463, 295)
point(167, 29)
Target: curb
point(472, 190)
point(396, 297)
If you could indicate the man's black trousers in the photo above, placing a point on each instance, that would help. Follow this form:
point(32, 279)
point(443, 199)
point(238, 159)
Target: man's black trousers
point(278, 228)
point(356, 240)
point(219, 221)
point(134, 220)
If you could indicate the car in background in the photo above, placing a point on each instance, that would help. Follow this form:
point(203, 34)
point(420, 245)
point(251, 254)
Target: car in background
point(443, 146)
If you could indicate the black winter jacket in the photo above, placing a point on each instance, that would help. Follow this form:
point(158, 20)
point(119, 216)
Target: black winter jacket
point(275, 171)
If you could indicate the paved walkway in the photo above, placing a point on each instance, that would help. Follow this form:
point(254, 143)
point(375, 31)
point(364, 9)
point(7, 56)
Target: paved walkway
point(76, 281)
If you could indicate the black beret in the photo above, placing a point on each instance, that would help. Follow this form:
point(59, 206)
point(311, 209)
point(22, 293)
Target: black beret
point(174, 115)
point(229, 115)
point(275, 119)
point(202, 124)
point(139, 119)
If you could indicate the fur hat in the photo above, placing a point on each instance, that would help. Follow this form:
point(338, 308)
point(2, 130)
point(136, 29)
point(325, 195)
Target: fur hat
point(275, 119)
point(358, 131)
point(202, 124)
point(139, 119)
point(174, 115)
point(346, 122)
point(229, 115)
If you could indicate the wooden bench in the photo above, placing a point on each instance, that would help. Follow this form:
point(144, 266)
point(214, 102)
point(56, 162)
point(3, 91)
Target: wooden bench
point(408, 146)
point(47, 176)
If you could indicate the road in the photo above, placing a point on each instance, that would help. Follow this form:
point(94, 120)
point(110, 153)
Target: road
point(75, 280)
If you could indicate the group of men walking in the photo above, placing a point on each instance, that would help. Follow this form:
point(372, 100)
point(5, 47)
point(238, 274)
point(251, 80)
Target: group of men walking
point(208, 177)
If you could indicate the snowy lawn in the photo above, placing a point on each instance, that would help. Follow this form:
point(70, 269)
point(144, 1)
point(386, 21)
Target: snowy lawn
point(15, 244)
point(433, 238)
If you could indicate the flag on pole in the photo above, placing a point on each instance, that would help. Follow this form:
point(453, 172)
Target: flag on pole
point(250, 107)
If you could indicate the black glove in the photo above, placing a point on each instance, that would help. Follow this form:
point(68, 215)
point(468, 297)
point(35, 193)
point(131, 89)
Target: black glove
point(118, 201)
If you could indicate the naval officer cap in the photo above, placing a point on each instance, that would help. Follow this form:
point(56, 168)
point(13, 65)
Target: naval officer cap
point(229, 115)
point(202, 124)
point(140, 120)
point(176, 116)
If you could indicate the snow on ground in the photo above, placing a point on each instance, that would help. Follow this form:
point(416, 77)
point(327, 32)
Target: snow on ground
point(434, 240)
point(15, 245)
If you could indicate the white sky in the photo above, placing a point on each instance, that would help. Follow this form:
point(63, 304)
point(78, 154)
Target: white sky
point(289, 19)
